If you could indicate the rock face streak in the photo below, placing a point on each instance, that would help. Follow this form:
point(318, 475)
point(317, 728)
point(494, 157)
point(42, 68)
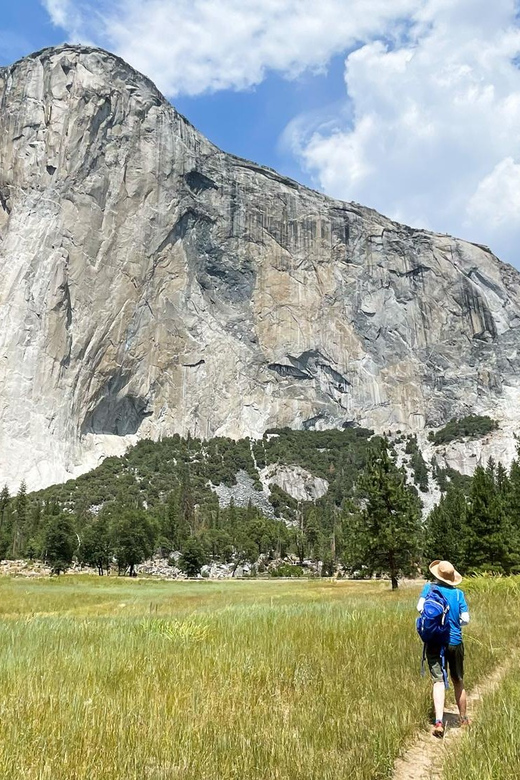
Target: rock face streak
point(152, 284)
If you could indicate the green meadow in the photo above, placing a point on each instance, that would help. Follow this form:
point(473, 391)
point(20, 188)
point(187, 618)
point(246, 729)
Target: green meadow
point(490, 750)
point(151, 680)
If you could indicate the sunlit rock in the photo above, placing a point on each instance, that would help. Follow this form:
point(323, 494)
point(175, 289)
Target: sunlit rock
point(152, 284)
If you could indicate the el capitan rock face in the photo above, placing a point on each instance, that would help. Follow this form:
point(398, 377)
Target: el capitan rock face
point(152, 284)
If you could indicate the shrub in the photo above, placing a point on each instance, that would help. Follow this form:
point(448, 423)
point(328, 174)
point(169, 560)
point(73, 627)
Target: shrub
point(286, 570)
point(471, 427)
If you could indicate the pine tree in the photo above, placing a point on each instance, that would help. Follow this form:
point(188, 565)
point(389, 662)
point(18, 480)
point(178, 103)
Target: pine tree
point(4, 503)
point(446, 529)
point(187, 502)
point(487, 543)
point(356, 540)
point(5, 521)
point(311, 530)
point(175, 529)
point(420, 471)
point(19, 520)
point(512, 508)
point(391, 517)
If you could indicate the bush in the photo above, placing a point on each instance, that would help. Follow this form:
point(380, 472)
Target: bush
point(286, 570)
point(471, 427)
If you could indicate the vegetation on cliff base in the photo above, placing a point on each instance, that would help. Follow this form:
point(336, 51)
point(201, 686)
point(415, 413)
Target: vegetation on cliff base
point(158, 497)
point(471, 427)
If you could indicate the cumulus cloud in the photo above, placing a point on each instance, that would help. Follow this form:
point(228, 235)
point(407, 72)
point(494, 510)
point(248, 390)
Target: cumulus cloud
point(435, 137)
point(502, 189)
point(195, 46)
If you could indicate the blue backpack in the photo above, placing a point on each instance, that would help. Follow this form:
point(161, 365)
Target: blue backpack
point(433, 626)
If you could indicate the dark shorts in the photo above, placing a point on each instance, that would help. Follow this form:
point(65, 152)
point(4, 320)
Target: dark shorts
point(454, 655)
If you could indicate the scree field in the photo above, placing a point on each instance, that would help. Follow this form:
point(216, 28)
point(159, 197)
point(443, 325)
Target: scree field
point(143, 680)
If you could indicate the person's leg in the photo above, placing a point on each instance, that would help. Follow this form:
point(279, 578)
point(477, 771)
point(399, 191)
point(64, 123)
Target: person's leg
point(438, 700)
point(460, 697)
point(455, 657)
point(433, 656)
point(457, 675)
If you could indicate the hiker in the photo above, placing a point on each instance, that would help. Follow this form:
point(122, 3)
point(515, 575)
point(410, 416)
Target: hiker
point(444, 591)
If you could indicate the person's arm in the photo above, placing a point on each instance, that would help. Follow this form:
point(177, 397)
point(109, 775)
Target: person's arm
point(464, 612)
point(422, 597)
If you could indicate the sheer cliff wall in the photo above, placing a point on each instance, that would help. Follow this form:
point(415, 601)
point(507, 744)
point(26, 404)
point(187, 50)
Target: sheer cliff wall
point(152, 284)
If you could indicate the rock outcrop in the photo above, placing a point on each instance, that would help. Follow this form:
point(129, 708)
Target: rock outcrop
point(151, 284)
point(244, 493)
point(299, 483)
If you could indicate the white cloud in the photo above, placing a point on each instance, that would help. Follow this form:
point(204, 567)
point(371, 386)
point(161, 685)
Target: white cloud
point(502, 189)
point(435, 139)
point(496, 206)
point(194, 46)
point(71, 16)
point(59, 11)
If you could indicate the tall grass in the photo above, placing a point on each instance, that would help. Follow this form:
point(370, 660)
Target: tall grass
point(489, 750)
point(153, 681)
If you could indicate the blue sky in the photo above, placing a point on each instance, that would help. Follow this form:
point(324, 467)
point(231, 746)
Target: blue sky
point(25, 26)
point(247, 122)
point(411, 107)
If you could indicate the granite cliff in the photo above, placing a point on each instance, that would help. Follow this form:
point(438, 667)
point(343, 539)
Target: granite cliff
point(151, 283)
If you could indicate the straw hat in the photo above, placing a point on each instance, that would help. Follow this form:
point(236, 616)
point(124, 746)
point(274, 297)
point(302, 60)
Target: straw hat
point(445, 572)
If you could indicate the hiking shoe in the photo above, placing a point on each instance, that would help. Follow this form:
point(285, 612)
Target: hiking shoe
point(438, 729)
point(464, 722)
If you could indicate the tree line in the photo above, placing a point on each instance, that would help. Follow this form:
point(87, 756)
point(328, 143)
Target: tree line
point(478, 525)
point(369, 522)
point(347, 527)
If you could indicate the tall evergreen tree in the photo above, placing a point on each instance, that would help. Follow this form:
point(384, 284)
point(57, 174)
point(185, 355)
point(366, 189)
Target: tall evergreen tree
point(446, 529)
point(311, 530)
point(356, 541)
point(512, 507)
point(19, 520)
point(487, 542)
point(175, 527)
point(187, 501)
point(5, 521)
point(5, 498)
point(391, 517)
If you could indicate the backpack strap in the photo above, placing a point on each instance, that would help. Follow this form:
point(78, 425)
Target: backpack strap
point(444, 670)
point(443, 648)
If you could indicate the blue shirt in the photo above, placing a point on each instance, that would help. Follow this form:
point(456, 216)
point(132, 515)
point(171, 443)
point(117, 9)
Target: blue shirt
point(457, 601)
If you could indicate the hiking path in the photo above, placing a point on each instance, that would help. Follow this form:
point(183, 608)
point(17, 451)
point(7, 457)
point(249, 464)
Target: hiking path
point(424, 758)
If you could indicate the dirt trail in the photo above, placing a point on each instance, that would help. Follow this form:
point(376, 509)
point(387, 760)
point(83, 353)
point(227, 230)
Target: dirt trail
point(425, 757)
